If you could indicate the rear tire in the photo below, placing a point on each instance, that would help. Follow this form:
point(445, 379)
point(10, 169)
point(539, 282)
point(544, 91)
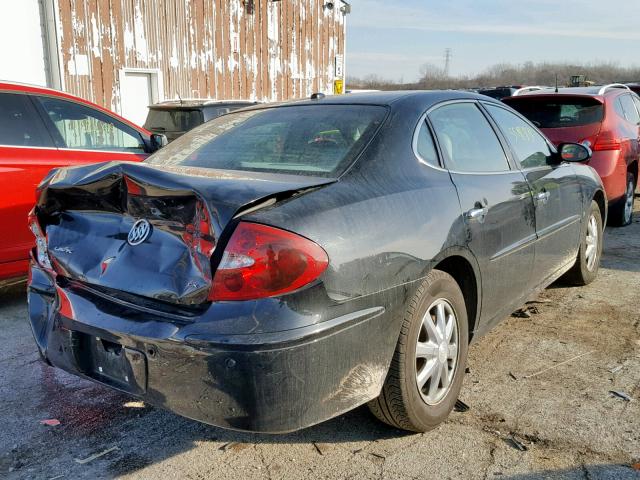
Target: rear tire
point(621, 213)
point(585, 270)
point(433, 341)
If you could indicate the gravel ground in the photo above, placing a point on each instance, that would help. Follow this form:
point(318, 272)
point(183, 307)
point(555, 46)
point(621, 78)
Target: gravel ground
point(538, 390)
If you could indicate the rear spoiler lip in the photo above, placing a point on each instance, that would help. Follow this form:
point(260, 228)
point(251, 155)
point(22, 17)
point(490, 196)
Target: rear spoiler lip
point(534, 95)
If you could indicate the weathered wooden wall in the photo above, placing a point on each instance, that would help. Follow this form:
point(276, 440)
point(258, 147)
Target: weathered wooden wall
point(202, 48)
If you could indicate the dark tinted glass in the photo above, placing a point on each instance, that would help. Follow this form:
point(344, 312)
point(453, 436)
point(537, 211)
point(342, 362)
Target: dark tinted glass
point(212, 112)
point(559, 112)
point(466, 139)
point(172, 120)
point(84, 128)
point(20, 124)
point(425, 147)
point(321, 140)
point(498, 93)
point(529, 146)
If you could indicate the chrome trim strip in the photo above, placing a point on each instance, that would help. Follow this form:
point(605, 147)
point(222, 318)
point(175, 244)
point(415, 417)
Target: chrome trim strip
point(562, 224)
point(519, 245)
point(102, 151)
point(72, 149)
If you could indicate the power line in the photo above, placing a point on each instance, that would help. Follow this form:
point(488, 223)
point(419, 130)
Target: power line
point(447, 61)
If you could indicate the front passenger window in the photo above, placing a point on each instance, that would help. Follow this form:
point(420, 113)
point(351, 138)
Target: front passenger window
point(84, 128)
point(467, 141)
point(529, 146)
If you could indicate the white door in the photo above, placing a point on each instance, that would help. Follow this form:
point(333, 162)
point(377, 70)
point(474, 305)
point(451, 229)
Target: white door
point(136, 94)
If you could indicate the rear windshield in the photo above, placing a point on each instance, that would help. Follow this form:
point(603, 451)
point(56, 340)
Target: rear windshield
point(317, 140)
point(559, 112)
point(172, 120)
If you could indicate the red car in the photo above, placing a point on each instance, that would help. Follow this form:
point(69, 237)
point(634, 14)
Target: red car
point(41, 129)
point(607, 119)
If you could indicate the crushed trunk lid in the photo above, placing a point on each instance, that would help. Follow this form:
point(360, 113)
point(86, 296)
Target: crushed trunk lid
point(88, 213)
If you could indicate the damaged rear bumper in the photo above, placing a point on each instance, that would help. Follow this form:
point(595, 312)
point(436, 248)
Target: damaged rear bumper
point(268, 382)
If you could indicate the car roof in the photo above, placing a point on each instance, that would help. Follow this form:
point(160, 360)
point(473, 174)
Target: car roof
point(198, 102)
point(423, 98)
point(39, 90)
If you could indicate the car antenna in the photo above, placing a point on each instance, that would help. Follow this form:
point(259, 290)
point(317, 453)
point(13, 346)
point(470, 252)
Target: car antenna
point(556, 83)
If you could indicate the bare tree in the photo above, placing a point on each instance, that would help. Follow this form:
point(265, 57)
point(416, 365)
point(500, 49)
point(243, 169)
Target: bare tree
point(528, 73)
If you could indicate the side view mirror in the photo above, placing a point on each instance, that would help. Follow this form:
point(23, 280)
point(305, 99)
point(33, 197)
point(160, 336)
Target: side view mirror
point(158, 140)
point(574, 152)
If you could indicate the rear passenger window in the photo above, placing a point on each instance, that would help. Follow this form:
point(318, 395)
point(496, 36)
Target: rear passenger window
point(20, 125)
point(629, 109)
point(529, 146)
point(467, 141)
point(425, 148)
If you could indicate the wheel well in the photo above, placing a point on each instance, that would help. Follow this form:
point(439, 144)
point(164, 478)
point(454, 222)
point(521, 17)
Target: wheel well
point(599, 198)
point(633, 168)
point(462, 272)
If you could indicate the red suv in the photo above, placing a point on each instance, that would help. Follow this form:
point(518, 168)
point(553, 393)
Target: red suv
point(41, 129)
point(607, 119)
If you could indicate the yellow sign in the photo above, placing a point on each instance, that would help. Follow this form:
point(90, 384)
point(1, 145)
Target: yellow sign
point(338, 86)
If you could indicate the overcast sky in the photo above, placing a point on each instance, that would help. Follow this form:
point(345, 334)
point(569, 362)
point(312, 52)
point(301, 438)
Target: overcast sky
point(393, 38)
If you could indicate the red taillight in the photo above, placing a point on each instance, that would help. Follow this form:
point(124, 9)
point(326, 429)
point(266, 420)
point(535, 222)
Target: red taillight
point(42, 252)
point(262, 261)
point(606, 141)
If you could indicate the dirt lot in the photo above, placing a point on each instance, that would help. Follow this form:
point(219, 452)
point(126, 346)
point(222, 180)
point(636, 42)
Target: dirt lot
point(540, 383)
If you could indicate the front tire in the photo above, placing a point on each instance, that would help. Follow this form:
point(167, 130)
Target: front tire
point(585, 270)
point(427, 369)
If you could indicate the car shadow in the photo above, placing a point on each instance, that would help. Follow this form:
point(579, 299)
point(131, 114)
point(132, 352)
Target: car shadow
point(100, 418)
point(14, 293)
point(613, 471)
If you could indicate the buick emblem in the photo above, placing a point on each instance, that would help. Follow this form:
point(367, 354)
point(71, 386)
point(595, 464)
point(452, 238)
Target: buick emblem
point(139, 232)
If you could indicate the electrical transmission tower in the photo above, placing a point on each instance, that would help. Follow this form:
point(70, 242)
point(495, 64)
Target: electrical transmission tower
point(447, 61)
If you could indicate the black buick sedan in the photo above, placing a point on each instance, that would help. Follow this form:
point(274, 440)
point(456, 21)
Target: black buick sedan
point(281, 265)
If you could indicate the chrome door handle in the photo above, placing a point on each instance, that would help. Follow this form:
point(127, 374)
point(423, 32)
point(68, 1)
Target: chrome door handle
point(477, 214)
point(542, 197)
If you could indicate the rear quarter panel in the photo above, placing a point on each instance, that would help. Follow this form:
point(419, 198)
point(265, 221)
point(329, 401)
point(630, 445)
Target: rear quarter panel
point(384, 224)
point(590, 185)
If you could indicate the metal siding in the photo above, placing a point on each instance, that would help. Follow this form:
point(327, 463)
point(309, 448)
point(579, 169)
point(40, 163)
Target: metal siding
point(202, 48)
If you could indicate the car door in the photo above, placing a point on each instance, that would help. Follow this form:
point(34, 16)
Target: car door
point(88, 135)
point(25, 145)
point(496, 204)
point(557, 196)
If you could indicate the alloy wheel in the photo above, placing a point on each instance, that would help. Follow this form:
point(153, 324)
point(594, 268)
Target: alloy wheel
point(628, 203)
point(591, 252)
point(437, 351)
